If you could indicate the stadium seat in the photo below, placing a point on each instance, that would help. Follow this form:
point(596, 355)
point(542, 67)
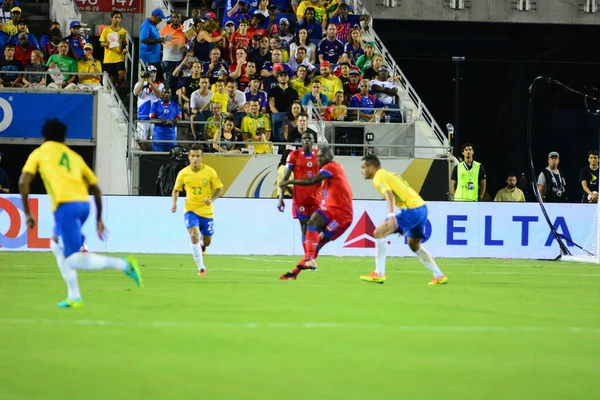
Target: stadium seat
point(277, 126)
point(237, 118)
point(395, 113)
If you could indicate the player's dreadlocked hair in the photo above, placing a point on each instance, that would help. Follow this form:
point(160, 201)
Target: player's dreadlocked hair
point(54, 130)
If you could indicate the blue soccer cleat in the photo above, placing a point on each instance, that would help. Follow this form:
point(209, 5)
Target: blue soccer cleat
point(66, 303)
point(133, 270)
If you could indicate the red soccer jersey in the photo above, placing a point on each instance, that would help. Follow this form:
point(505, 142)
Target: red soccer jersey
point(336, 191)
point(304, 166)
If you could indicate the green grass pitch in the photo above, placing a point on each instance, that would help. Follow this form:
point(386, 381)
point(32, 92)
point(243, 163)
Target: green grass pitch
point(502, 329)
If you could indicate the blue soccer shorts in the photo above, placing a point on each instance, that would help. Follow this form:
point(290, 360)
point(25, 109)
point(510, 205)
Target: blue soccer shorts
point(68, 220)
point(204, 224)
point(412, 221)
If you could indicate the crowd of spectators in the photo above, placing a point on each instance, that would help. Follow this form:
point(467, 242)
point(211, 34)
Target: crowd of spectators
point(261, 65)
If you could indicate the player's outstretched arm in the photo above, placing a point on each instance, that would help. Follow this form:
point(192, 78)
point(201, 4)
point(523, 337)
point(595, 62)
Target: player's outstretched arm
point(175, 197)
point(100, 229)
point(305, 182)
point(24, 188)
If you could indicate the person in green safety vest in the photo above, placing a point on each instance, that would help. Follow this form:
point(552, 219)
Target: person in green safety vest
point(468, 177)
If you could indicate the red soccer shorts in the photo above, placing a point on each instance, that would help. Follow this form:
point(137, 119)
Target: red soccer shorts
point(303, 212)
point(337, 222)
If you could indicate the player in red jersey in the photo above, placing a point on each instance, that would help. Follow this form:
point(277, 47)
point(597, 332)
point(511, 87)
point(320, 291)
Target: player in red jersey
point(334, 215)
point(304, 164)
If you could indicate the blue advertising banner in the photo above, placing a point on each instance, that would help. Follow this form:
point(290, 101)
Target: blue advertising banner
point(23, 114)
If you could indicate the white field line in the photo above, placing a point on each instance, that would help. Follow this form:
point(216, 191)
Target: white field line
point(299, 325)
point(458, 271)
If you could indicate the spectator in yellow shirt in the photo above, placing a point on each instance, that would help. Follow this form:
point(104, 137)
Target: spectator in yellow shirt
point(255, 120)
point(11, 27)
point(219, 96)
point(265, 147)
point(88, 65)
point(114, 40)
point(330, 84)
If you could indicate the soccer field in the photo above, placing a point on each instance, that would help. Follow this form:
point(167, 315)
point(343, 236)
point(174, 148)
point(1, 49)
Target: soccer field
point(502, 329)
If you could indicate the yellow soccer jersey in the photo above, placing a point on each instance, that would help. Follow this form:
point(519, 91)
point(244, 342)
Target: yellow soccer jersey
point(114, 54)
point(330, 86)
point(199, 186)
point(66, 176)
point(405, 196)
point(222, 98)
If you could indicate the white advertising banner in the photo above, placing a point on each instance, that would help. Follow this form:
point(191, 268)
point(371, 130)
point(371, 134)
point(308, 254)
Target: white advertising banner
point(255, 226)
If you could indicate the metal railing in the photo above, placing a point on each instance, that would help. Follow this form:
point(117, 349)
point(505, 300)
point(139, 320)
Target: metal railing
point(423, 112)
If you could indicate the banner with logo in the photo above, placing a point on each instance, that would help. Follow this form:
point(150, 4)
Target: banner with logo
point(256, 227)
point(23, 114)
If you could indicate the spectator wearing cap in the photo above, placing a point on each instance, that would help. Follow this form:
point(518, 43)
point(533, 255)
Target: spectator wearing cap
point(303, 41)
point(283, 33)
point(150, 39)
point(253, 91)
point(315, 97)
point(255, 120)
point(283, 95)
point(313, 27)
point(330, 84)
point(167, 112)
point(9, 66)
point(273, 19)
point(384, 88)
point(352, 86)
point(114, 41)
point(51, 47)
point(75, 40)
point(23, 49)
point(46, 38)
point(173, 48)
point(373, 70)
point(551, 181)
point(262, 54)
point(86, 66)
point(344, 22)
point(22, 28)
point(355, 45)
point(366, 103)
point(36, 64)
point(147, 91)
point(62, 62)
point(320, 14)
point(214, 66)
point(330, 49)
point(268, 72)
point(364, 61)
point(240, 38)
point(229, 28)
point(239, 11)
point(11, 27)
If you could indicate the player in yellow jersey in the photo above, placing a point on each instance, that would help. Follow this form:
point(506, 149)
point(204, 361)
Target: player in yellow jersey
point(409, 221)
point(202, 187)
point(68, 181)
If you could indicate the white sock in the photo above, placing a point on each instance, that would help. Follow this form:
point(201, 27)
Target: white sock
point(197, 253)
point(69, 275)
point(380, 250)
point(92, 261)
point(429, 262)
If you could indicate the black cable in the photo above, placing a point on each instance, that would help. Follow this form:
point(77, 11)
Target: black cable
point(563, 248)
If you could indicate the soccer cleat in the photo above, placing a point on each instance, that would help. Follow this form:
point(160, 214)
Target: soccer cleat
point(83, 249)
point(373, 277)
point(439, 281)
point(202, 272)
point(133, 270)
point(288, 276)
point(66, 303)
point(308, 264)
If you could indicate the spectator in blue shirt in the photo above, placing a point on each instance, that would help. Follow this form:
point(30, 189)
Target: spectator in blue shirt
point(315, 96)
point(344, 22)
point(31, 39)
point(330, 49)
point(366, 102)
point(150, 39)
point(314, 28)
point(75, 40)
point(168, 112)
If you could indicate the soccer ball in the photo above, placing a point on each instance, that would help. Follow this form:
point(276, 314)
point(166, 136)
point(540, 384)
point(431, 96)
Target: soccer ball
point(590, 197)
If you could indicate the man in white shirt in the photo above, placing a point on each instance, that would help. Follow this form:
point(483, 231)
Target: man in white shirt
point(384, 88)
point(147, 91)
point(237, 99)
point(198, 100)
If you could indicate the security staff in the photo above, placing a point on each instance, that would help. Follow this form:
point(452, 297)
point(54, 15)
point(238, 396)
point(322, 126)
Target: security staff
point(468, 177)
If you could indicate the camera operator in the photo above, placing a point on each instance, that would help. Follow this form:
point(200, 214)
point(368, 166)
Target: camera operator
point(551, 181)
point(147, 91)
